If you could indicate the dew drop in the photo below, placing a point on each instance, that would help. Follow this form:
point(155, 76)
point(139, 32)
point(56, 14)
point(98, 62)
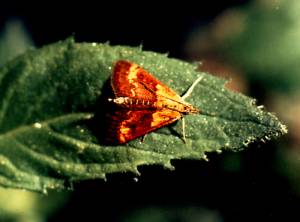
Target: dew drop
point(219, 151)
point(45, 191)
point(37, 125)
point(267, 138)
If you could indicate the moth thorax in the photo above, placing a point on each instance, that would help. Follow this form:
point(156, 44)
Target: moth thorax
point(131, 102)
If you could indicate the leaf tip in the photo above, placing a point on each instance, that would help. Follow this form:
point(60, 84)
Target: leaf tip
point(204, 157)
point(283, 128)
point(135, 171)
point(169, 166)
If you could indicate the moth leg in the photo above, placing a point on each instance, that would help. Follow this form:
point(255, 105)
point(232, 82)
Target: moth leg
point(143, 138)
point(191, 88)
point(183, 130)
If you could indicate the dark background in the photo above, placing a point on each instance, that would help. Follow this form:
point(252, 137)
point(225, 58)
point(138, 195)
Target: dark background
point(253, 192)
point(157, 25)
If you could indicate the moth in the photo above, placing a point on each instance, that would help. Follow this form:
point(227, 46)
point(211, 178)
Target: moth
point(143, 103)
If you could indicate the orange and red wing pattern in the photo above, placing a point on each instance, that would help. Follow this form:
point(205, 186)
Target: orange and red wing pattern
point(126, 125)
point(130, 80)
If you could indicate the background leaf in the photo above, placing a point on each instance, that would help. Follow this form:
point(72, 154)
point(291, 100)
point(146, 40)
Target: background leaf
point(20, 205)
point(52, 107)
point(14, 40)
point(260, 38)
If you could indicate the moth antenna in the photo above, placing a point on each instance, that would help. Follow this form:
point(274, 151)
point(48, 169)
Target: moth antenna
point(191, 88)
point(193, 85)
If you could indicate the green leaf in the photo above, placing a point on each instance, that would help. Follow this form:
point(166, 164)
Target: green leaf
point(51, 106)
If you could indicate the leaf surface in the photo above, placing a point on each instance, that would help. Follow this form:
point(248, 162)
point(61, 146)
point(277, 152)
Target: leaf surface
point(52, 102)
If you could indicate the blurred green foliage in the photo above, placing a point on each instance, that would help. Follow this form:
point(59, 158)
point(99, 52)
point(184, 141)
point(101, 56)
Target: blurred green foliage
point(172, 214)
point(14, 40)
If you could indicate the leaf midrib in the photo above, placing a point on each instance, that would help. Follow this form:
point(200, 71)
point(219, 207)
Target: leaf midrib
point(47, 123)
